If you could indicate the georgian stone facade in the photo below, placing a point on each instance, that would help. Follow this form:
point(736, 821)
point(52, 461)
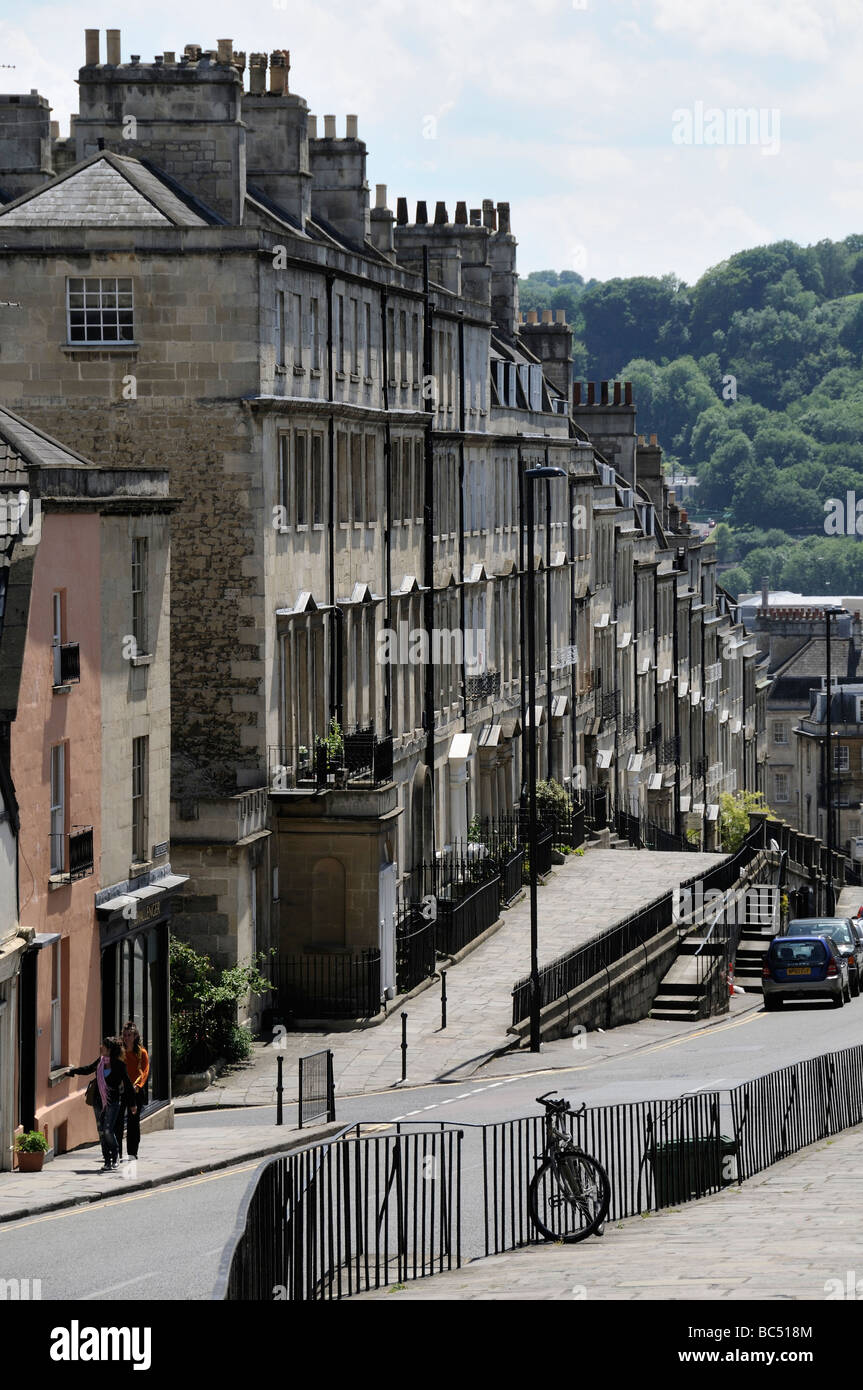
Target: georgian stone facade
point(347, 401)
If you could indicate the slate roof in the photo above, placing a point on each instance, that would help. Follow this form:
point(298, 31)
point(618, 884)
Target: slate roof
point(30, 446)
point(104, 190)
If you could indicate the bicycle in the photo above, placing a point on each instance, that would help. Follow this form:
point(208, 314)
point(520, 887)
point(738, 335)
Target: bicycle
point(570, 1193)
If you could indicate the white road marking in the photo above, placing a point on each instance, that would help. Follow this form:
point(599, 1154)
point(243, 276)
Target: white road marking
point(100, 1293)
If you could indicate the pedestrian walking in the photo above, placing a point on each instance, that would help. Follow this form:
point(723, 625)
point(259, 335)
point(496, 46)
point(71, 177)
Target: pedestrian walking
point(137, 1063)
point(110, 1085)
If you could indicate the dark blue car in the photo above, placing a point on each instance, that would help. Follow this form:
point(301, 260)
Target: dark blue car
point(804, 967)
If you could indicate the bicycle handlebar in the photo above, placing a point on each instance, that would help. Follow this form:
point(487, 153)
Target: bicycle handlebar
point(561, 1106)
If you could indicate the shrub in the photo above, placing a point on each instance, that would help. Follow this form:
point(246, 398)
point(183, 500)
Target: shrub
point(203, 1007)
point(734, 808)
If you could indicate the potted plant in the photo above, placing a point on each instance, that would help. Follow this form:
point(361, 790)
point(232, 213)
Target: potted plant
point(31, 1148)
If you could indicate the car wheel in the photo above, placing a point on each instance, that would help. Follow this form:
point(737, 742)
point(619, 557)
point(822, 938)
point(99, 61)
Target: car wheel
point(855, 985)
point(839, 999)
point(847, 992)
point(772, 1002)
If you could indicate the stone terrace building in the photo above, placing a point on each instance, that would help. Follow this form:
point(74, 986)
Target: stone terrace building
point(347, 401)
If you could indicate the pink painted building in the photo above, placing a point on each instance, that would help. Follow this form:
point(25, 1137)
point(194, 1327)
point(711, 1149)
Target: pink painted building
point(89, 758)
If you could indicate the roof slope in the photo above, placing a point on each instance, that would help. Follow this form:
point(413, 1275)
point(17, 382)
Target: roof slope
point(104, 190)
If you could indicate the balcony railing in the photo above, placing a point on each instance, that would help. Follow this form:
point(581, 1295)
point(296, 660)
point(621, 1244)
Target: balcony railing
point(359, 759)
point(608, 705)
point(564, 657)
point(70, 664)
point(482, 687)
point(653, 737)
point(72, 854)
point(669, 751)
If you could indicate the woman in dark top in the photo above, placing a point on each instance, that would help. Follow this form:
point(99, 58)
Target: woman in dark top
point(112, 1088)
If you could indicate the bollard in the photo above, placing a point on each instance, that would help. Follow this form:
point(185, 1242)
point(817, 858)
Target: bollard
point(279, 1090)
point(404, 1046)
point(443, 999)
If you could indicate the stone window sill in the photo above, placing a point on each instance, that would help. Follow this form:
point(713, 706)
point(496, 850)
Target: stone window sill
point(315, 372)
point(143, 659)
point(281, 369)
point(58, 1075)
point(355, 376)
point(298, 370)
point(116, 349)
point(60, 689)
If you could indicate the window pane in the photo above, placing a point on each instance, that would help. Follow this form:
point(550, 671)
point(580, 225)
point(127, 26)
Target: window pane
point(300, 483)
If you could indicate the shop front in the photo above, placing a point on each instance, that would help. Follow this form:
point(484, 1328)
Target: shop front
point(133, 939)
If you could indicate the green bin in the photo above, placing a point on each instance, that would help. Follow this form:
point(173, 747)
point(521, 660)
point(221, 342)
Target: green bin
point(685, 1168)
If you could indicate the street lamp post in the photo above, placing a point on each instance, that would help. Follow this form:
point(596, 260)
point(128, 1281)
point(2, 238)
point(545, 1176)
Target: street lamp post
point(531, 474)
point(831, 892)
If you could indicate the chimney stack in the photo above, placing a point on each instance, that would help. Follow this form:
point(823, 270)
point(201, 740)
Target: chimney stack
point(258, 75)
point(489, 215)
point(278, 74)
point(380, 195)
point(503, 219)
point(91, 48)
point(225, 50)
point(765, 595)
point(112, 54)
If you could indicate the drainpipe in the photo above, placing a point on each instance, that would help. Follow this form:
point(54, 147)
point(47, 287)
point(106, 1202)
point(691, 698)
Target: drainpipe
point(388, 524)
point(428, 548)
point(573, 631)
point(335, 683)
point(522, 560)
point(548, 617)
point(674, 660)
point(462, 419)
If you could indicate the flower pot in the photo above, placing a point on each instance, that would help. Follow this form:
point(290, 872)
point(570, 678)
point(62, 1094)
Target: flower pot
point(31, 1162)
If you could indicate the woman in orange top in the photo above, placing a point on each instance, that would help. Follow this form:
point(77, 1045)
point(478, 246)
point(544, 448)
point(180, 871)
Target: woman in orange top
point(138, 1067)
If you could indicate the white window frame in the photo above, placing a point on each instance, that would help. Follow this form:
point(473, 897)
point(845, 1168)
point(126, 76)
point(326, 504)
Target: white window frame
point(56, 1006)
point(57, 635)
point(781, 779)
point(140, 801)
point(841, 757)
point(780, 726)
point(58, 809)
point(140, 594)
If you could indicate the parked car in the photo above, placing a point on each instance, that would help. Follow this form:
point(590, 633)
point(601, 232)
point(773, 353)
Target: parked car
point(804, 967)
point(844, 932)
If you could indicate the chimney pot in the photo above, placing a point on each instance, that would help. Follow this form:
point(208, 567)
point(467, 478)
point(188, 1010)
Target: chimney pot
point(402, 212)
point(532, 316)
point(603, 386)
point(380, 195)
point(576, 393)
point(441, 216)
point(591, 393)
point(312, 123)
point(158, 60)
point(422, 215)
point(55, 130)
point(653, 440)
point(170, 56)
point(503, 219)
point(329, 127)
point(765, 592)
point(192, 52)
point(617, 393)
point(239, 61)
point(627, 393)
point(351, 128)
point(560, 316)
point(225, 49)
point(461, 214)
point(135, 59)
point(91, 48)
point(476, 217)
point(489, 215)
point(112, 48)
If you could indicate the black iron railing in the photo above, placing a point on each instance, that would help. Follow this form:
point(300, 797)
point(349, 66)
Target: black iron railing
point(70, 663)
point(360, 758)
point(597, 807)
point(316, 1088)
point(72, 854)
point(330, 986)
point(482, 687)
point(668, 751)
point(415, 947)
point(608, 705)
point(353, 1214)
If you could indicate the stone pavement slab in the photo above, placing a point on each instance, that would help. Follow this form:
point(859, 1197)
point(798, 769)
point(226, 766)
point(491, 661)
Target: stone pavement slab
point(792, 1232)
point(165, 1156)
point(581, 898)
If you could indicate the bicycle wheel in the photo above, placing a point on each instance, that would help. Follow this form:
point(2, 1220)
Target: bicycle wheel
point(568, 1197)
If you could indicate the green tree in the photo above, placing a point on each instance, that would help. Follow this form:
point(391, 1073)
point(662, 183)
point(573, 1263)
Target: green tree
point(734, 808)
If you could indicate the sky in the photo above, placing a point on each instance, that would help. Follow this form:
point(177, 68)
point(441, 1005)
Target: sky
point(608, 125)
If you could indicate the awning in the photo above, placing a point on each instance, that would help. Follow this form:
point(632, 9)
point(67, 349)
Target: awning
point(723, 717)
point(538, 714)
point(698, 808)
point(636, 762)
point(559, 706)
point(736, 726)
point(683, 686)
point(603, 620)
point(644, 666)
point(511, 727)
point(623, 640)
point(685, 803)
point(665, 676)
point(490, 736)
point(694, 698)
point(604, 757)
point(655, 783)
point(592, 728)
point(713, 812)
point(139, 896)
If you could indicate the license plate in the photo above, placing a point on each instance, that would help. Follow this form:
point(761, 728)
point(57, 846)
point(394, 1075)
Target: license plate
point(798, 970)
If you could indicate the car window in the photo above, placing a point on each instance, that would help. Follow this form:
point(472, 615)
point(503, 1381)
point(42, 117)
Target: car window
point(841, 933)
point(797, 952)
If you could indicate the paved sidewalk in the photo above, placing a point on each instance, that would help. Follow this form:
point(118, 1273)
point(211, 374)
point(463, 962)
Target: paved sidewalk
point(582, 897)
point(166, 1156)
point(793, 1232)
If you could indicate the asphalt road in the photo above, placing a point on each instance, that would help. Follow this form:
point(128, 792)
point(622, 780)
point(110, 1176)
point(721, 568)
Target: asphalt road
point(166, 1243)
